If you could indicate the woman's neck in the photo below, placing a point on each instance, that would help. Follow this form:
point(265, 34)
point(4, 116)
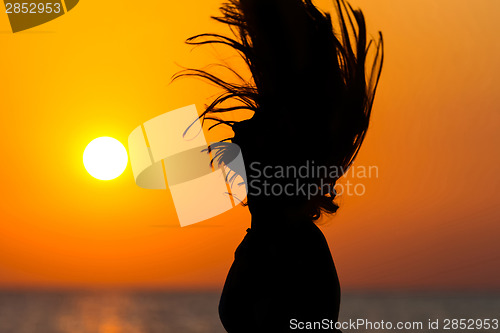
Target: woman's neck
point(277, 220)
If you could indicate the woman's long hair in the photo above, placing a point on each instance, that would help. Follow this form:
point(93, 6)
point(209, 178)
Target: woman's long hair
point(311, 89)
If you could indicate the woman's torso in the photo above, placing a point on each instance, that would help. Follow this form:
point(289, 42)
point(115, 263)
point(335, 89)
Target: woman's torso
point(280, 278)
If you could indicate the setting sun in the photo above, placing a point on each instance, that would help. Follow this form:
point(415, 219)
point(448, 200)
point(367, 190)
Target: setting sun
point(105, 158)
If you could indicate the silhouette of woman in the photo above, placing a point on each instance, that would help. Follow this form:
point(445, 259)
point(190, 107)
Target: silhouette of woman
point(311, 94)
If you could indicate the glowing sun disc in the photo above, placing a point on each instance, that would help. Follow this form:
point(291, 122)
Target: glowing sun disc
point(105, 158)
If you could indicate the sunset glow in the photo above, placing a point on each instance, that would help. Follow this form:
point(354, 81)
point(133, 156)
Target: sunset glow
point(105, 158)
point(428, 217)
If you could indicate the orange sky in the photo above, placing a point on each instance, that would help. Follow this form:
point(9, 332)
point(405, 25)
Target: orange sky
point(429, 221)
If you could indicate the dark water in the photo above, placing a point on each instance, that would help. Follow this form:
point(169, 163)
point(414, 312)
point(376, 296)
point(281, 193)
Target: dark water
point(163, 312)
point(414, 308)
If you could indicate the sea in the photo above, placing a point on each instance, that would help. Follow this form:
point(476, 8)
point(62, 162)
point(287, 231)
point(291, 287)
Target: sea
point(196, 312)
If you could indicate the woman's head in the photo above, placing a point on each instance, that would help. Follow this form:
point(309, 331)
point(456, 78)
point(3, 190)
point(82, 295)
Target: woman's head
point(311, 91)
